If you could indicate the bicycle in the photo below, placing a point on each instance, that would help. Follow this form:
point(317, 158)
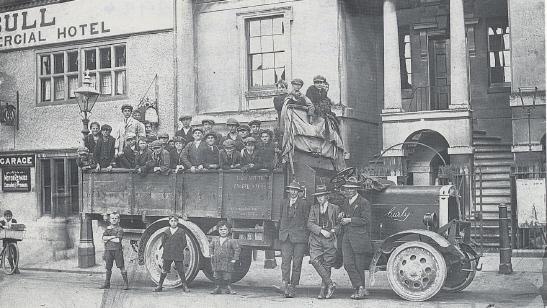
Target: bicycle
point(9, 257)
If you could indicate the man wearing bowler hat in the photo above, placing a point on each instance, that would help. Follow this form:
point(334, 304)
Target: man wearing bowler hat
point(186, 131)
point(323, 225)
point(356, 242)
point(293, 235)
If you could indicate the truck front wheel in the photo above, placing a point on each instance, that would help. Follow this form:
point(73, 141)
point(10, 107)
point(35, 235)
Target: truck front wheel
point(154, 262)
point(416, 271)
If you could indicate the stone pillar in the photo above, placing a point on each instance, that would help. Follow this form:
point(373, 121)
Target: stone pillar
point(185, 73)
point(459, 91)
point(392, 65)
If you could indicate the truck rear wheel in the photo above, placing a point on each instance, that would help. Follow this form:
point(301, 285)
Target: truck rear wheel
point(245, 258)
point(416, 271)
point(154, 262)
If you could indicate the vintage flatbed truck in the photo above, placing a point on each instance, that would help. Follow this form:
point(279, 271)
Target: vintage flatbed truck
point(419, 236)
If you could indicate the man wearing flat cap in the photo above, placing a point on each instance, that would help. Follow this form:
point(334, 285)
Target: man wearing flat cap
point(208, 128)
point(293, 235)
point(317, 91)
point(250, 158)
point(186, 130)
point(85, 160)
point(230, 158)
point(356, 241)
point(192, 156)
point(160, 159)
point(129, 125)
point(323, 225)
point(127, 158)
point(255, 129)
point(210, 153)
point(297, 98)
point(232, 125)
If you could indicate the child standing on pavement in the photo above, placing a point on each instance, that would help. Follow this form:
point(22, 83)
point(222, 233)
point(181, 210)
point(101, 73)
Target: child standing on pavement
point(6, 222)
point(174, 243)
point(224, 255)
point(113, 250)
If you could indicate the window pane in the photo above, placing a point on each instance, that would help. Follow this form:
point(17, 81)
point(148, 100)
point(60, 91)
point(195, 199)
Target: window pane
point(106, 60)
point(72, 86)
point(256, 62)
point(120, 83)
point(74, 180)
point(268, 77)
point(106, 83)
point(278, 26)
point(507, 58)
point(267, 43)
point(254, 45)
point(90, 59)
point(93, 79)
point(499, 30)
point(495, 43)
point(407, 50)
point(266, 26)
point(254, 28)
point(59, 63)
point(507, 74)
point(279, 74)
point(268, 60)
point(120, 55)
point(408, 65)
point(59, 83)
point(497, 75)
point(407, 38)
point(60, 175)
point(45, 89)
point(46, 186)
point(506, 41)
point(72, 61)
point(279, 43)
point(256, 79)
point(45, 67)
point(409, 79)
point(490, 31)
point(280, 59)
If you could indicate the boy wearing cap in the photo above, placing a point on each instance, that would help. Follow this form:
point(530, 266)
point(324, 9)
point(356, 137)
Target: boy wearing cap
point(356, 241)
point(164, 138)
point(129, 125)
point(186, 130)
point(250, 160)
point(210, 153)
point(192, 156)
point(316, 91)
point(293, 235)
point(267, 149)
point(85, 160)
point(105, 149)
point(159, 161)
point(176, 154)
point(127, 157)
point(208, 128)
point(142, 157)
point(232, 125)
point(230, 158)
point(297, 98)
point(323, 225)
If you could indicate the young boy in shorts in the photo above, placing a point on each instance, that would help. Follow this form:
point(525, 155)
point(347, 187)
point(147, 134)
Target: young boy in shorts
point(113, 250)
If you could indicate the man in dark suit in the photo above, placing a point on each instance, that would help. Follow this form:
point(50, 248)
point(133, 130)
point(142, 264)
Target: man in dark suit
point(186, 131)
point(192, 157)
point(323, 224)
point(293, 235)
point(356, 242)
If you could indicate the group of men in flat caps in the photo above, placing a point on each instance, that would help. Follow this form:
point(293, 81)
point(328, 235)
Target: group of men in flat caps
point(135, 146)
point(324, 227)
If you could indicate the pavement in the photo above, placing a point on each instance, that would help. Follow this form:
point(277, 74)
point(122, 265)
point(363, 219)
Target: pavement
point(77, 287)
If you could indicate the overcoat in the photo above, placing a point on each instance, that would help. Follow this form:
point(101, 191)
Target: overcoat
point(193, 156)
point(293, 222)
point(174, 244)
point(104, 151)
point(358, 231)
point(226, 161)
point(332, 213)
point(188, 136)
point(222, 255)
point(131, 125)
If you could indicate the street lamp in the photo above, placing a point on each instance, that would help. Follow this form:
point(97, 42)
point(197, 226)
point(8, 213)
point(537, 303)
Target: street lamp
point(524, 91)
point(87, 96)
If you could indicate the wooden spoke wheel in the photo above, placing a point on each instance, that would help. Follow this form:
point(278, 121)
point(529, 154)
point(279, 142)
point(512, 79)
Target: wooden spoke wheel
point(416, 271)
point(154, 262)
point(10, 258)
point(461, 274)
point(245, 258)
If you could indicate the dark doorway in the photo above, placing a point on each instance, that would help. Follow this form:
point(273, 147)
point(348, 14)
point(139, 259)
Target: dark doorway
point(439, 73)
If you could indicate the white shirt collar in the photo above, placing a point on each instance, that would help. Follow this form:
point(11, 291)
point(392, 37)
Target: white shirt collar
point(292, 200)
point(323, 207)
point(352, 200)
point(173, 230)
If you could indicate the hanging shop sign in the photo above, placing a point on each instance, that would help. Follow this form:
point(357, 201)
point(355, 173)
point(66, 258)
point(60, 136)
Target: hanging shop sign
point(16, 179)
point(81, 20)
point(17, 160)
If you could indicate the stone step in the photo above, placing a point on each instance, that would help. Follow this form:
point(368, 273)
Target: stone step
point(506, 183)
point(481, 138)
point(491, 209)
point(492, 200)
point(493, 155)
point(494, 176)
point(493, 162)
point(489, 191)
point(492, 148)
point(493, 169)
point(479, 132)
point(490, 142)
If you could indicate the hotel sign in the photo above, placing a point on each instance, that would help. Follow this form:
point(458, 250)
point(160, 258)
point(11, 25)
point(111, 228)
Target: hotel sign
point(82, 20)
